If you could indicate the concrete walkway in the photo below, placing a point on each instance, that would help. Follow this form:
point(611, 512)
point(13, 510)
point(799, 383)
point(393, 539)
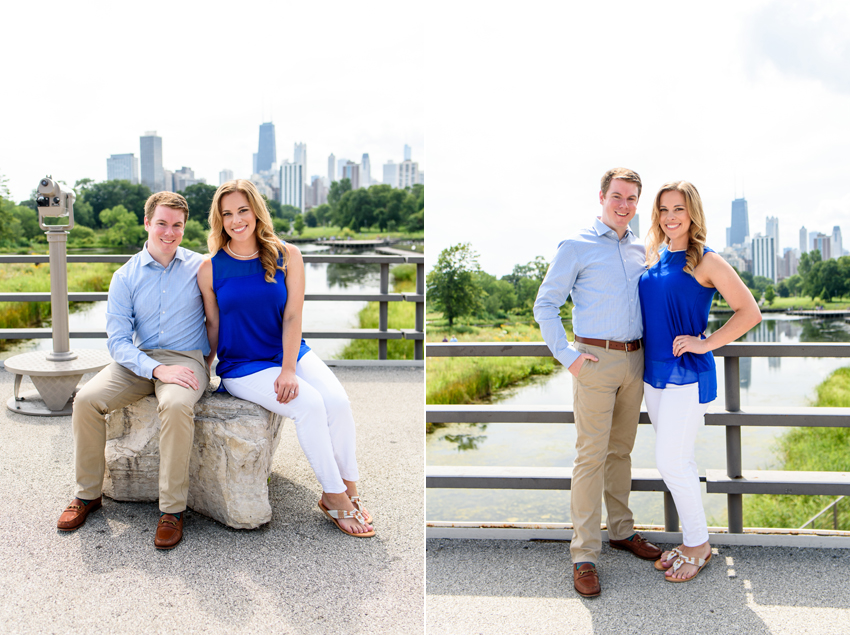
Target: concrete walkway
point(513, 587)
point(297, 574)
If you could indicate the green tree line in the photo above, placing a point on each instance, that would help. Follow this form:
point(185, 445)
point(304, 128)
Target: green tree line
point(111, 213)
point(458, 287)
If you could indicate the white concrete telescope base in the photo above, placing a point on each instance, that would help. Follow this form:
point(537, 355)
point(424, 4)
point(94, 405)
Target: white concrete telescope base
point(55, 381)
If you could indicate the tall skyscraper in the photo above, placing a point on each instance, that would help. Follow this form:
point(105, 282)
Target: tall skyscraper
point(740, 228)
point(407, 151)
point(772, 229)
point(804, 240)
point(340, 166)
point(365, 171)
point(151, 159)
point(408, 174)
point(266, 151)
point(168, 181)
point(224, 176)
point(301, 154)
point(835, 246)
point(292, 185)
point(331, 168)
point(351, 171)
point(122, 167)
point(822, 243)
point(391, 173)
point(764, 257)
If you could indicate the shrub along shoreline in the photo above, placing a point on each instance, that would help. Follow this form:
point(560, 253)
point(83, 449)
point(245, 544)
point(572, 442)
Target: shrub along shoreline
point(808, 449)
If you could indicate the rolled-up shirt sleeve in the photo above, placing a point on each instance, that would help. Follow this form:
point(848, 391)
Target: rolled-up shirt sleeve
point(120, 322)
point(552, 295)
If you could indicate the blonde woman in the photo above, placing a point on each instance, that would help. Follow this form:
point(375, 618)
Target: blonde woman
point(253, 290)
point(679, 372)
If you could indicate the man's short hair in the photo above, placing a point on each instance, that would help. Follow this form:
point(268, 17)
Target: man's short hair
point(168, 199)
point(624, 174)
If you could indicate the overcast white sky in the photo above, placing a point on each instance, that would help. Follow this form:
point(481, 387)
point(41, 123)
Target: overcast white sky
point(528, 106)
point(81, 81)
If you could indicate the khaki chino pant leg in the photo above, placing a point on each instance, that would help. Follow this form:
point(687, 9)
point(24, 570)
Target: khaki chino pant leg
point(607, 396)
point(115, 387)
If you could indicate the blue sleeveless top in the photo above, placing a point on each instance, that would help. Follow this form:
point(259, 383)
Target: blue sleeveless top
point(250, 314)
point(673, 303)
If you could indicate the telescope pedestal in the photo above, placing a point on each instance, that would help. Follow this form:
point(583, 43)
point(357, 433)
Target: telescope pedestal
point(55, 381)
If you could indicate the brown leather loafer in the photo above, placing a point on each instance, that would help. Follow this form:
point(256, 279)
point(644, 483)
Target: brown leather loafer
point(586, 580)
point(169, 531)
point(76, 513)
point(638, 546)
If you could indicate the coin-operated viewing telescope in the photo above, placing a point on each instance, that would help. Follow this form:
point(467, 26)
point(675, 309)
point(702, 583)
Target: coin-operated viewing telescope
point(55, 374)
point(55, 201)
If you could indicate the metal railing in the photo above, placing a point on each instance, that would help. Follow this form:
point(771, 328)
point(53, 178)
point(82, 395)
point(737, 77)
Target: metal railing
point(732, 481)
point(383, 333)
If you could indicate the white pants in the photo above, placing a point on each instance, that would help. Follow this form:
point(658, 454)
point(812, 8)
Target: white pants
point(677, 415)
point(322, 413)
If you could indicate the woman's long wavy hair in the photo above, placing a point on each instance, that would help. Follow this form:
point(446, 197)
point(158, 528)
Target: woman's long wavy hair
point(696, 233)
point(271, 247)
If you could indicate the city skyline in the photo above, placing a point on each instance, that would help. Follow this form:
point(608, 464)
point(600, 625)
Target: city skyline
point(751, 96)
point(205, 119)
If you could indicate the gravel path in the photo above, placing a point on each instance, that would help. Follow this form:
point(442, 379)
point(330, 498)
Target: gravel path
point(297, 574)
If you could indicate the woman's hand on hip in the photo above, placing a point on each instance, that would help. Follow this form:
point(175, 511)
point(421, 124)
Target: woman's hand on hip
point(286, 386)
point(689, 344)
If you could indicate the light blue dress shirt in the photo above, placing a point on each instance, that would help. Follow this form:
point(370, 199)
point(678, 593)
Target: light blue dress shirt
point(155, 307)
point(601, 273)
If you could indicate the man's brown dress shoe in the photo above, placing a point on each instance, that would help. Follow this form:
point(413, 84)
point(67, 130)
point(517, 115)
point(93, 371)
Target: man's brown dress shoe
point(638, 546)
point(586, 580)
point(169, 531)
point(75, 514)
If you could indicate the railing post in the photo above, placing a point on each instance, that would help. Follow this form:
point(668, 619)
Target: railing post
point(419, 345)
point(734, 502)
point(383, 309)
point(671, 514)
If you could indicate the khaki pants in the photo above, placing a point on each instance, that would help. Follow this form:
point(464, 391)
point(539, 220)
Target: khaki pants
point(606, 395)
point(115, 387)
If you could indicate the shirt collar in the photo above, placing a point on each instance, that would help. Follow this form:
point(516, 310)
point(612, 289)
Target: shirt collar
point(148, 259)
point(601, 229)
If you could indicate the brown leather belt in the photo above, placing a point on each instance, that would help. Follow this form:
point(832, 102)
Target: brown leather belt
point(629, 347)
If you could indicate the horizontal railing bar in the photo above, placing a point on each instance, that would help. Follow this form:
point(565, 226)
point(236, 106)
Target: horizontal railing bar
point(786, 416)
point(345, 334)
point(779, 482)
point(735, 349)
point(101, 296)
point(512, 477)
point(308, 258)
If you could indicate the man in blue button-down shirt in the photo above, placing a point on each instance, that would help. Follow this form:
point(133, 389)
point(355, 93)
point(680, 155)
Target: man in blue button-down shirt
point(600, 268)
point(158, 339)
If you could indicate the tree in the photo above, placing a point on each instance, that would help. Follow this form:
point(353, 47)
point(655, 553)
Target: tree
point(338, 188)
point(769, 294)
point(199, 196)
point(310, 219)
point(289, 212)
point(281, 225)
point(299, 224)
point(123, 228)
point(109, 194)
point(452, 284)
point(323, 213)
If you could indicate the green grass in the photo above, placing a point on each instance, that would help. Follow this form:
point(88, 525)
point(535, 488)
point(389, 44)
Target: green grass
point(809, 449)
point(462, 380)
point(400, 315)
point(30, 278)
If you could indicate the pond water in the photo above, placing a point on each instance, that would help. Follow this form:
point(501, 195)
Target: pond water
point(764, 381)
point(317, 316)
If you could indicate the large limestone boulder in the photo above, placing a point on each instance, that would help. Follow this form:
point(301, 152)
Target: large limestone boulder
point(231, 457)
